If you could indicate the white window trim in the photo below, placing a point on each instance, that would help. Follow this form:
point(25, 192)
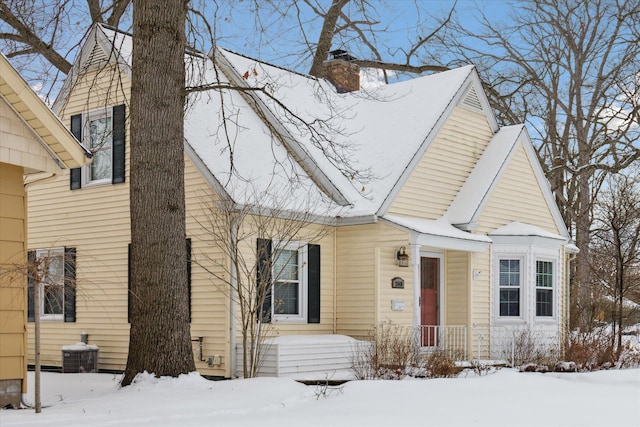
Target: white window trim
point(522, 257)
point(554, 290)
point(303, 265)
point(44, 253)
point(86, 170)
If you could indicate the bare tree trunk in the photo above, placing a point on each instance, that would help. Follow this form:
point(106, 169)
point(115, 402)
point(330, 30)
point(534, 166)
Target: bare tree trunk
point(326, 36)
point(160, 340)
point(582, 292)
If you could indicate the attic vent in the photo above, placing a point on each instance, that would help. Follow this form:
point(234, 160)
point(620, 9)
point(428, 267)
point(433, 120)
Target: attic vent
point(471, 100)
point(97, 57)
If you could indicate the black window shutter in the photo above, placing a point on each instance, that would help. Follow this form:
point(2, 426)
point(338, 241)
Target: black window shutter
point(69, 284)
point(263, 279)
point(118, 143)
point(313, 283)
point(129, 283)
point(76, 130)
point(31, 260)
point(189, 274)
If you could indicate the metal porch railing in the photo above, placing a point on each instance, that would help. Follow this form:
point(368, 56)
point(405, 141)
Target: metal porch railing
point(451, 340)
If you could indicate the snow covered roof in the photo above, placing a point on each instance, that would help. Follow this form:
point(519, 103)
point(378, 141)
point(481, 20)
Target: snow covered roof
point(468, 202)
point(439, 233)
point(295, 143)
point(289, 141)
point(379, 132)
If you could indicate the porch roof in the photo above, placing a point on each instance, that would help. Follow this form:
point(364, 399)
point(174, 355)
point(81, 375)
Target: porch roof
point(439, 233)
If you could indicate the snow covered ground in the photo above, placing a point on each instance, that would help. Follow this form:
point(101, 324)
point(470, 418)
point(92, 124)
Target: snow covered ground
point(502, 398)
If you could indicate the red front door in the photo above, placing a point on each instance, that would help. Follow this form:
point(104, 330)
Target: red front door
point(429, 280)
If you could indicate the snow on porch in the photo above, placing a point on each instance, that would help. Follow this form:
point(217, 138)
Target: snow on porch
point(307, 357)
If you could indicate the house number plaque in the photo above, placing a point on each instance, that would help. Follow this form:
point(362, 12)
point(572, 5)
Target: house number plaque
point(397, 283)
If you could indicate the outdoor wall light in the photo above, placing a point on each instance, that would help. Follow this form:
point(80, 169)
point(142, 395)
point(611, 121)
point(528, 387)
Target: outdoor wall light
point(402, 257)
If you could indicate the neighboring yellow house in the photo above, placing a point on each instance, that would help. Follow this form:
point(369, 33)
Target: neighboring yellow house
point(431, 215)
point(34, 144)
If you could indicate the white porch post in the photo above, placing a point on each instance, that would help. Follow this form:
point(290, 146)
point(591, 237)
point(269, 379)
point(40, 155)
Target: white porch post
point(415, 264)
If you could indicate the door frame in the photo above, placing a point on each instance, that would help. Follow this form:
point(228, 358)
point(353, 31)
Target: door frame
point(441, 300)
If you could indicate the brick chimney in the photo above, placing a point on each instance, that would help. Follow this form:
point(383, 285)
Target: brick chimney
point(340, 71)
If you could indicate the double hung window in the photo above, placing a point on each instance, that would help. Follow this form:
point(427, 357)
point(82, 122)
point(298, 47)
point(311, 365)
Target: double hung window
point(289, 284)
point(510, 282)
point(99, 140)
point(53, 272)
point(544, 288)
point(103, 133)
point(50, 271)
point(288, 281)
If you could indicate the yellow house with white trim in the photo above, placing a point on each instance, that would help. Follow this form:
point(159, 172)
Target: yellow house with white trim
point(33, 144)
point(434, 217)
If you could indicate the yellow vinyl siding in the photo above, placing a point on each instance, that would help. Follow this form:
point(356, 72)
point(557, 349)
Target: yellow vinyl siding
point(387, 269)
point(481, 288)
point(94, 220)
point(437, 178)
point(456, 290)
point(517, 197)
point(12, 278)
point(365, 261)
point(210, 315)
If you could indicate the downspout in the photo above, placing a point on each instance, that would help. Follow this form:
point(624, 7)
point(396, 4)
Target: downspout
point(335, 280)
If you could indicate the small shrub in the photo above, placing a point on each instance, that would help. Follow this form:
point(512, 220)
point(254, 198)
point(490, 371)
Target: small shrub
point(629, 356)
point(590, 351)
point(394, 354)
point(393, 349)
point(480, 368)
point(438, 365)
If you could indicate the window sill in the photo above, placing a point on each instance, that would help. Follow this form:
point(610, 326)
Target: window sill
point(290, 320)
point(92, 184)
point(546, 319)
point(509, 321)
point(52, 319)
